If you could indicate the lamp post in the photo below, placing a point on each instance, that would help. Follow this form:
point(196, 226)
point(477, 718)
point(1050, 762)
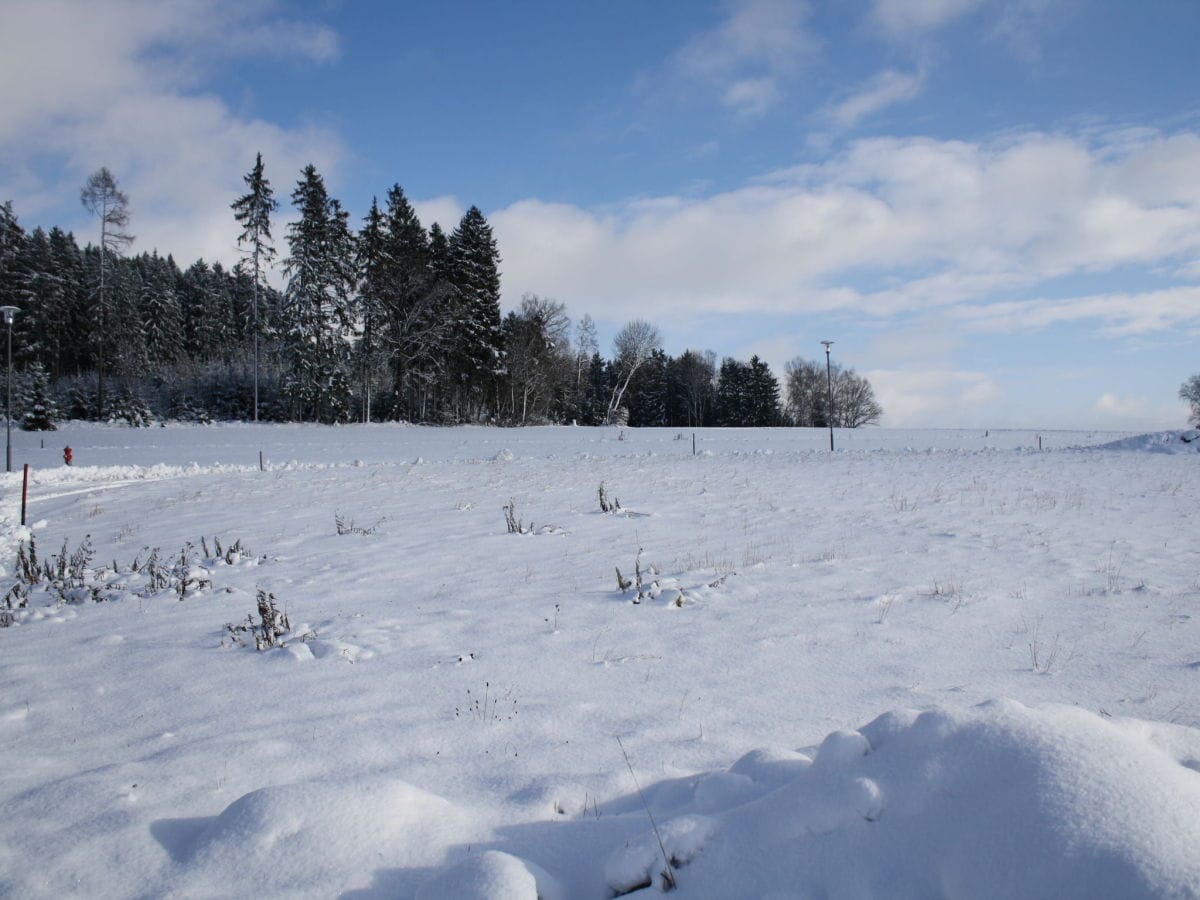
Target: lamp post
point(9, 312)
point(829, 388)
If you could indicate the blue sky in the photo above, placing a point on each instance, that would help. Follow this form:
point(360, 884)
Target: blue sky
point(992, 206)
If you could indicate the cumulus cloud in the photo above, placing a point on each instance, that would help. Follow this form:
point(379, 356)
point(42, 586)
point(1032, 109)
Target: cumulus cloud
point(889, 227)
point(116, 84)
point(446, 211)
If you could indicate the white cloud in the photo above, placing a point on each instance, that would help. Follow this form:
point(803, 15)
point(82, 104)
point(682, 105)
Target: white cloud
point(885, 89)
point(115, 84)
point(749, 55)
point(890, 227)
point(1124, 411)
point(936, 397)
point(1119, 315)
point(446, 211)
point(903, 19)
point(751, 96)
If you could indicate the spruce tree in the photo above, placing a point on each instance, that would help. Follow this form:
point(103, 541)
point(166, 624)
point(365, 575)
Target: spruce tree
point(162, 318)
point(317, 309)
point(762, 395)
point(373, 271)
point(475, 261)
point(74, 324)
point(38, 401)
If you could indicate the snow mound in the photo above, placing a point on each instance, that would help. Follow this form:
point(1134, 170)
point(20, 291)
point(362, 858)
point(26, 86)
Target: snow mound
point(492, 875)
point(302, 839)
point(1000, 800)
point(1158, 442)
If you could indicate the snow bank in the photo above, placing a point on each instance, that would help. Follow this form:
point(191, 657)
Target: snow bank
point(1158, 442)
point(1001, 800)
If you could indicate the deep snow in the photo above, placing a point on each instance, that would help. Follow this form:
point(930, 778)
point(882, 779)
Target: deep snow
point(806, 695)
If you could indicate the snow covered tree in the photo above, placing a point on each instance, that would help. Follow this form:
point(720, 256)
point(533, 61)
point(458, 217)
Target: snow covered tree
point(253, 212)
point(12, 245)
point(130, 409)
point(161, 316)
point(317, 304)
point(70, 352)
point(37, 401)
point(102, 198)
point(1189, 392)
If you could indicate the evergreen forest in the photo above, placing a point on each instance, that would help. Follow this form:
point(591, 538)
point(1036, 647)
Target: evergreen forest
point(389, 321)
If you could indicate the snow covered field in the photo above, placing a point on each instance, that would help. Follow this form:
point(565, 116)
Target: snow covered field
point(930, 664)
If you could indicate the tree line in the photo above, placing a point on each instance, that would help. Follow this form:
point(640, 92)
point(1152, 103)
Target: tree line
point(391, 321)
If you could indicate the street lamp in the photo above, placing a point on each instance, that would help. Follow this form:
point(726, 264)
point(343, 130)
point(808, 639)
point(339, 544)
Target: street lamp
point(829, 387)
point(9, 312)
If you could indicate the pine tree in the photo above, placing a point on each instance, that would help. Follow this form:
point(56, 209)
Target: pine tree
point(253, 211)
point(411, 327)
point(374, 263)
point(475, 261)
point(38, 401)
point(12, 245)
point(75, 317)
point(732, 393)
point(318, 314)
point(762, 395)
point(162, 318)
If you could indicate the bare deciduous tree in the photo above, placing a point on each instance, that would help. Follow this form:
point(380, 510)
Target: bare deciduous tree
point(854, 402)
point(631, 347)
point(538, 354)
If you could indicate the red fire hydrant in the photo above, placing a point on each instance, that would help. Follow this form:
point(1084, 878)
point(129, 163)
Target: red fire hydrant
point(67, 455)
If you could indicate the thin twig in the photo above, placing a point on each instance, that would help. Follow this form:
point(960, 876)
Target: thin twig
point(668, 877)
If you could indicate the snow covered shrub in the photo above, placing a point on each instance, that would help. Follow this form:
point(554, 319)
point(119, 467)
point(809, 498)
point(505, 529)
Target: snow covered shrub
point(515, 525)
point(187, 409)
point(607, 506)
point(269, 630)
point(65, 578)
point(131, 409)
point(37, 401)
point(347, 526)
point(644, 590)
point(78, 398)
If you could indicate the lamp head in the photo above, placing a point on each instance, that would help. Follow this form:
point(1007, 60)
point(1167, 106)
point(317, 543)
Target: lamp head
point(8, 311)
point(827, 344)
